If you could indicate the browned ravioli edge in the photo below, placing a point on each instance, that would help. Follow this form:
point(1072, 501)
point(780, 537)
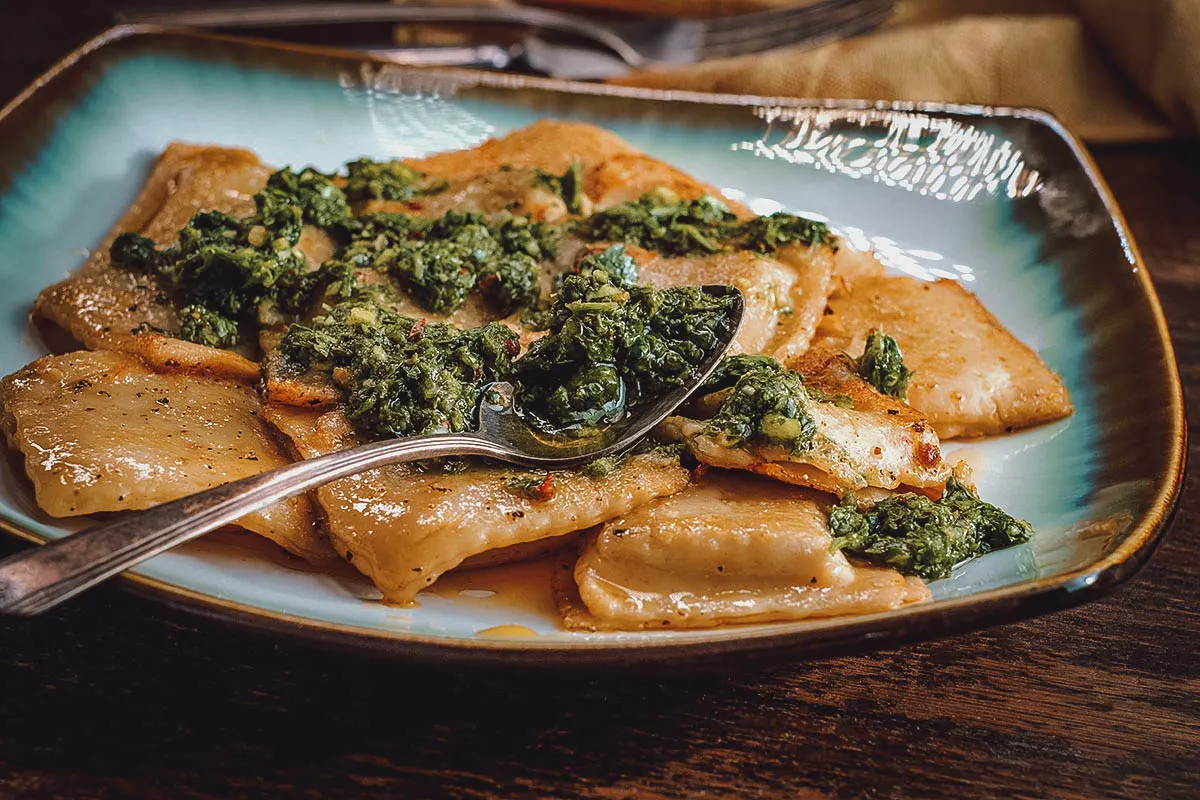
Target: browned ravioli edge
point(552, 144)
point(174, 168)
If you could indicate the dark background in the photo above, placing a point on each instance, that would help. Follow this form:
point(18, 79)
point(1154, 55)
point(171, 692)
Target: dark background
point(116, 696)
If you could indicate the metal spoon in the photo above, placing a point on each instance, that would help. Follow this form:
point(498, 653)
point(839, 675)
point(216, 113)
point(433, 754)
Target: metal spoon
point(35, 580)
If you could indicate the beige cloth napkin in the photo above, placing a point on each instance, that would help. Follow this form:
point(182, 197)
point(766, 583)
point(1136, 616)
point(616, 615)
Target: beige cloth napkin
point(1112, 70)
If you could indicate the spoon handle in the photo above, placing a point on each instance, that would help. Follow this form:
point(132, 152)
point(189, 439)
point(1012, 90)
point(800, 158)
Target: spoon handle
point(40, 578)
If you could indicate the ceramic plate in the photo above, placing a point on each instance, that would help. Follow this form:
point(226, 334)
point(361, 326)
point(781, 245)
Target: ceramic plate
point(1003, 200)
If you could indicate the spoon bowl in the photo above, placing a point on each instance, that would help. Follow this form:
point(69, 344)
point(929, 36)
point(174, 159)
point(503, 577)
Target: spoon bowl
point(40, 578)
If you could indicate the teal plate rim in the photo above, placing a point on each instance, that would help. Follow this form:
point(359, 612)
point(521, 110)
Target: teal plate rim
point(953, 615)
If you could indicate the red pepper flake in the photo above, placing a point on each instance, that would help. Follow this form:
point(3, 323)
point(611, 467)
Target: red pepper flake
point(543, 491)
point(513, 346)
point(417, 328)
point(928, 455)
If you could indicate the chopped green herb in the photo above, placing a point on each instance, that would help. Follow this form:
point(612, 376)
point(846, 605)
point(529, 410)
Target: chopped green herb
point(537, 317)
point(517, 235)
point(767, 234)
point(662, 222)
point(228, 270)
point(923, 537)
point(402, 377)
point(614, 345)
point(382, 226)
point(768, 404)
point(538, 488)
point(602, 467)
point(216, 267)
point(199, 324)
point(882, 365)
point(447, 465)
point(568, 186)
point(388, 180)
point(612, 265)
point(733, 367)
point(651, 447)
point(446, 259)
point(320, 201)
point(765, 402)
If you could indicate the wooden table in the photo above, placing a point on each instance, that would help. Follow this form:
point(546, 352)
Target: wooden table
point(120, 697)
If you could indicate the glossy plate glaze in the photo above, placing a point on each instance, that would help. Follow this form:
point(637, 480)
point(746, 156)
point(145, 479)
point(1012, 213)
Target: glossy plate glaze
point(1004, 200)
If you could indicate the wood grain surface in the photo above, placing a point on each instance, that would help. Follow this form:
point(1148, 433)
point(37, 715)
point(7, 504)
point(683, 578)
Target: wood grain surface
point(120, 697)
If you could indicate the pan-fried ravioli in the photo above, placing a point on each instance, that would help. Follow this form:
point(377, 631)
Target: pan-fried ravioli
point(971, 376)
point(239, 318)
point(521, 191)
point(847, 435)
point(785, 293)
point(403, 527)
point(102, 303)
point(731, 548)
point(613, 170)
point(100, 431)
point(851, 264)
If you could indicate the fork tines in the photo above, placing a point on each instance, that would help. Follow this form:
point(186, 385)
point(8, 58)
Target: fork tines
point(741, 34)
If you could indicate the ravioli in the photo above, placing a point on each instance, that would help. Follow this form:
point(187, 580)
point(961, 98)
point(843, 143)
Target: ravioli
point(100, 431)
point(497, 194)
point(102, 304)
point(142, 419)
point(972, 377)
point(874, 442)
point(403, 528)
point(785, 294)
point(731, 548)
point(626, 176)
point(613, 170)
point(851, 264)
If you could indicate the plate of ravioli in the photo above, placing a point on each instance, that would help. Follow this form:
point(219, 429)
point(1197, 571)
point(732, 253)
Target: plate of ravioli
point(916, 430)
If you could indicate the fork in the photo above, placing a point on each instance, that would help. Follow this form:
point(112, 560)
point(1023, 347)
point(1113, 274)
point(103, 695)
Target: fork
point(636, 45)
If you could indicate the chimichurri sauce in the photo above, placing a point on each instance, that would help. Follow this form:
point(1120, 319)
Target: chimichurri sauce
point(613, 345)
point(610, 346)
point(660, 221)
point(400, 376)
point(924, 537)
point(882, 365)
